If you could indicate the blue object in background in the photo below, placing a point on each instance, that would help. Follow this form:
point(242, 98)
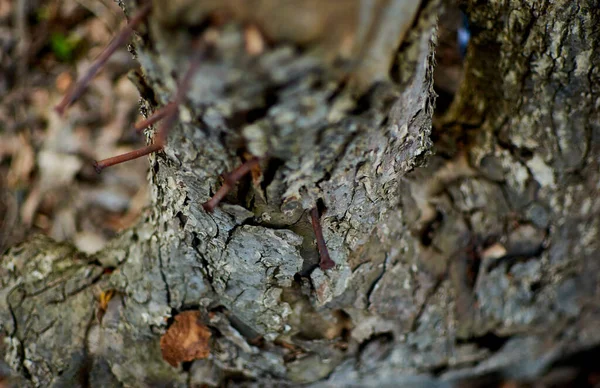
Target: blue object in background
point(463, 34)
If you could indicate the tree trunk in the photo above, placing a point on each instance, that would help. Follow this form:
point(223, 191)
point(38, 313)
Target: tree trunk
point(482, 263)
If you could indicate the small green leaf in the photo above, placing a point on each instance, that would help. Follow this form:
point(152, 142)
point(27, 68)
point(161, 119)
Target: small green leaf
point(63, 47)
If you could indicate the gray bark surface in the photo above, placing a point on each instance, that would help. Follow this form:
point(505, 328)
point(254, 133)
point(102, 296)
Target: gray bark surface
point(481, 261)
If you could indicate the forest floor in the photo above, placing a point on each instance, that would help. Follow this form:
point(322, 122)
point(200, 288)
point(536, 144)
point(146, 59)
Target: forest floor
point(47, 182)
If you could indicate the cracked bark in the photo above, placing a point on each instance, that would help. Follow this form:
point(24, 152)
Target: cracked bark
point(420, 294)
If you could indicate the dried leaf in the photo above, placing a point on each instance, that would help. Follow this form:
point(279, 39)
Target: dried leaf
point(186, 340)
point(103, 299)
point(22, 163)
point(9, 145)
point(255, 43)
point(57, 169)
point(494, 252)
point(31, 204)
point(63, 81)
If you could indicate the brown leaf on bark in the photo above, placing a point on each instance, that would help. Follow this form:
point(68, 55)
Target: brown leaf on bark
point(103, 299)
point(186, 340)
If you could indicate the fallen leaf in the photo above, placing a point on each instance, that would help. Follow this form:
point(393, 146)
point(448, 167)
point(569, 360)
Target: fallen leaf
point(57, 169)
point(63, 81)
point(5, 9)
point(103, 299)
point(493, 252)
point(31, 204)
point(22, 163)
point(186, 339)
point(9, 145)
point(255, 43)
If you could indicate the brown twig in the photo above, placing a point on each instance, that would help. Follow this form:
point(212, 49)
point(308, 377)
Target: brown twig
point(326, 262)
point(120, 39)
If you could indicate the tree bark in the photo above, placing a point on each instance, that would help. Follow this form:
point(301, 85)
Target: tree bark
point(482, 263)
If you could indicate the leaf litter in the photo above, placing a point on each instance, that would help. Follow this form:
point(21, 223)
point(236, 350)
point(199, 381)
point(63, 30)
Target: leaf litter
point(47, 181)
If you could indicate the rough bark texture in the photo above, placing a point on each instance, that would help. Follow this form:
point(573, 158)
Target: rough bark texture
point(483, 262)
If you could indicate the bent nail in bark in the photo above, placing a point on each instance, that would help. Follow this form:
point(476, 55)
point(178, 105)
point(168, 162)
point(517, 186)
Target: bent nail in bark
point(119, 40)
point(168, 113)
point(326, 262)
point(153, 118)
point(230, 180)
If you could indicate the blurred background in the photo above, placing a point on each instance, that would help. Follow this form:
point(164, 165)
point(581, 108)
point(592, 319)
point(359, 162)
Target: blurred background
point(47, 182)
